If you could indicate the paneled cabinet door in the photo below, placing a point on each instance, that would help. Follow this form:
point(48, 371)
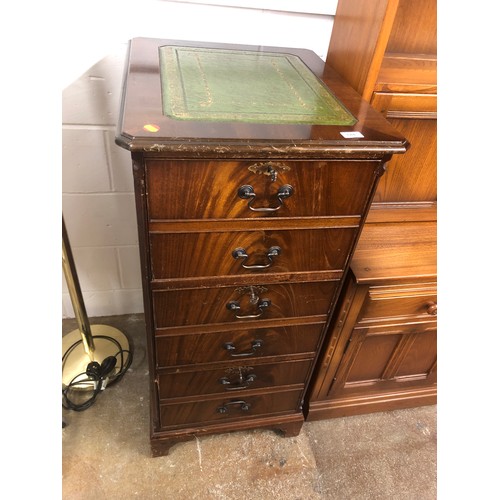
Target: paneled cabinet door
point(387, 357)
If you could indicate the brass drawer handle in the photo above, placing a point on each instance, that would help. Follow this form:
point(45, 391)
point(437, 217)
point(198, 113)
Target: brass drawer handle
point(262, 304)
point(244, 406)
point(242, 383)
point(246, 192)
point(256, 344)
point(432, 308)
point(241, 253)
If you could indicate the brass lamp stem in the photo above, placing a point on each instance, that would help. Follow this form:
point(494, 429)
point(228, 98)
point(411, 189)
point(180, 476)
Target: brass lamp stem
point(75, 293)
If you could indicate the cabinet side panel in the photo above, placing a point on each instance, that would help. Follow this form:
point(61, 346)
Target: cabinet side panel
point(336, 341)
point(142, 221)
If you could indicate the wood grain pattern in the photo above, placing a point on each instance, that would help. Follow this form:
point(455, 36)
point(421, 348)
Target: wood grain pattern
point(407, 73)
point(414, 176)
point(414, 29)
point(236, 380)
point(387, 51)
point(358, 404)
point(403, 105)
point(209, 305)
point(209, 190)
point(209, 319)
point(232, 139)
point(359, 40)
point(275, 342)
point(206, 412)
point(381, 350)
point(379, 358)
point(210, 254)
point(388, 251)
point(399, 301)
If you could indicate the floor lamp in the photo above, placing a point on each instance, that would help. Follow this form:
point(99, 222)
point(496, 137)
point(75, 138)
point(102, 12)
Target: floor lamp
point(93, 356)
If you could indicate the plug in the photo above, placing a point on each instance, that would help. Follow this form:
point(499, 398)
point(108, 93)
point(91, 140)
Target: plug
point(93, 370)
point(107, 366)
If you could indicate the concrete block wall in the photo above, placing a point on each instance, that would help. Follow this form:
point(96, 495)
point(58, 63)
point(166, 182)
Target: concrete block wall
point(97, 199)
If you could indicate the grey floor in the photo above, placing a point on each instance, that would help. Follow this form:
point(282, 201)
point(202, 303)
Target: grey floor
point(389, 455)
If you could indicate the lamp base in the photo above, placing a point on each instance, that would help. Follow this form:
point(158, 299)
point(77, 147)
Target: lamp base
point(108, 341)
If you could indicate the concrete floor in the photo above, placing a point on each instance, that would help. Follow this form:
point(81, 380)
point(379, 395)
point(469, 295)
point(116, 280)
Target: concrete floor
point(106, 454)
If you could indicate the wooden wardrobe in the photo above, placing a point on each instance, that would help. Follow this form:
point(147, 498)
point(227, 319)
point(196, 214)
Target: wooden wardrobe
point(381, 348)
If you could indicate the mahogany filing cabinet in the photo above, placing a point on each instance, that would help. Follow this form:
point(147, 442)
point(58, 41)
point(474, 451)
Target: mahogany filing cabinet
point(254, 168)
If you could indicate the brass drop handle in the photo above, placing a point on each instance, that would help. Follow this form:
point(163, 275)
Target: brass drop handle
point(242, 383)
point(244, 406)
point(432, 308)
point(247, 192)
point(241, 253)
point(256, 344)
point(262, 305)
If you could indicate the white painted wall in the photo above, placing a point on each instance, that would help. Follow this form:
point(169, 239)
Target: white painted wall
point(97, 189)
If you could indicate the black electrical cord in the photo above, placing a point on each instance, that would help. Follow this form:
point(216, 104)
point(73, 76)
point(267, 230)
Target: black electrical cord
point(96, 374)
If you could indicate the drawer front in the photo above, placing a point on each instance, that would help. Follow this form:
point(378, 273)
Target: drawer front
point(231, 253)
point(211, 189)
point(229, 408)
point(200, 306)
point(399, 302)
point(176, 350)
point(233, 378)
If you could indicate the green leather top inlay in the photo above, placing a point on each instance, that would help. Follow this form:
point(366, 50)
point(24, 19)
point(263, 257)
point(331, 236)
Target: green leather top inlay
point(232, 85)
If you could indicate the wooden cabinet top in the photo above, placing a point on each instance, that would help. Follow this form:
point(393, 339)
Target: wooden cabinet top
point(192, 99)
point(393, 252)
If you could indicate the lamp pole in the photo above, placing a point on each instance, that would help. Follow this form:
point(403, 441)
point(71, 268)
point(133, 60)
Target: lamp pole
point(88, 343)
